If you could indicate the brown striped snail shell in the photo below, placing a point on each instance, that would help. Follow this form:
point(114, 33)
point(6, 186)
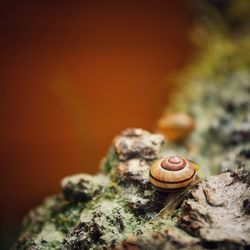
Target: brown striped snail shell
point(172, 173)
point(176, 127)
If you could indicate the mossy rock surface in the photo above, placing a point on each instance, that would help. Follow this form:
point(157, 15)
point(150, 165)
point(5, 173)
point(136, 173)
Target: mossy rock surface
point(121, 209)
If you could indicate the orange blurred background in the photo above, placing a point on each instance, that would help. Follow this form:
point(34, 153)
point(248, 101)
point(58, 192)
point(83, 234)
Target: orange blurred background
point(73, 75)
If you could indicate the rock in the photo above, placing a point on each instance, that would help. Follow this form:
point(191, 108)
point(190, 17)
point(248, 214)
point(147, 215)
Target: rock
point(82, 187)
point(218, 209)
point(100, 228)
point(167, 240)
point(134, 170)
point(138, 143)
point(147, 204)
point(132, 154)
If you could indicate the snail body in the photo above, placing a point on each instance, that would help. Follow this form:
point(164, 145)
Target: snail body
point(172, 173)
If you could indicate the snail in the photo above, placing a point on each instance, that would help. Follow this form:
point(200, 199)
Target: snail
point(176, 127)
point(172, 173)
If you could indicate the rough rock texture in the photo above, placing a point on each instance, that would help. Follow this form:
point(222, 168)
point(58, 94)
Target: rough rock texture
point(98, 212)
point(119, 208)
point(82, 187)
point(138, 144)
point(219, 209)
point(136, 149)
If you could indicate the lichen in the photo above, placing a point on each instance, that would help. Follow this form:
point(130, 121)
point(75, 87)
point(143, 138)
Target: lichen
point(82, 187)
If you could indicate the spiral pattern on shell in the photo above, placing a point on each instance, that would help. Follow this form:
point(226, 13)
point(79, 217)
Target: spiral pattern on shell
point(172, 173)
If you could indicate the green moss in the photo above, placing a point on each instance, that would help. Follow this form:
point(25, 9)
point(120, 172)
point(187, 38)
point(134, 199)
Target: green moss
point(66, 216)
point(109, 161)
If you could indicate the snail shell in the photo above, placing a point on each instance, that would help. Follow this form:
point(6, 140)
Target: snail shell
point(176, 127)
point(172, 173)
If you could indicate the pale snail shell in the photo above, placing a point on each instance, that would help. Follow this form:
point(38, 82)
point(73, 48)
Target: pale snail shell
point(176, 127)
point(172, 173)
